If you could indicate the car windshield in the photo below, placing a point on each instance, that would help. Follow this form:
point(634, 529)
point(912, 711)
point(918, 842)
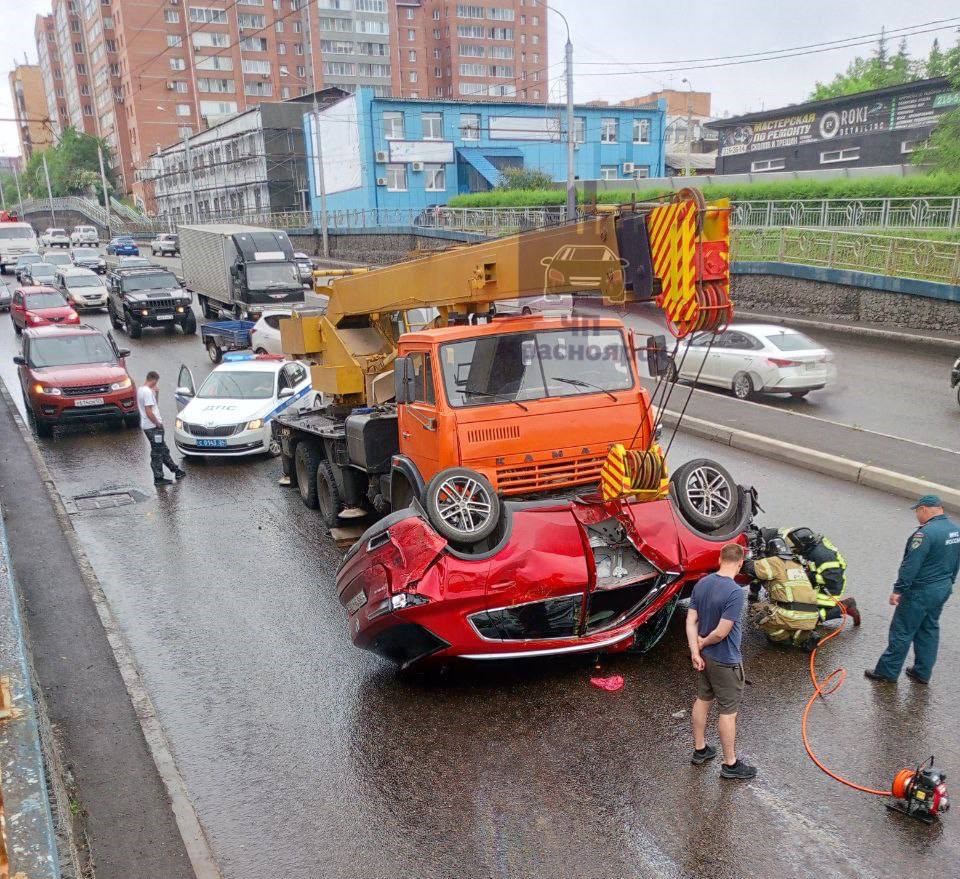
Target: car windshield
point(42, 270)
point(71, 350)
point(237, 385)
point(78, 253)
point(793, 342)
point(534, 365)
point(56, 231)
point(15, 232)
point(81, 281)
point(159, 281)
point(28, 259)
point(45, 299)
point(57, 259)
point(272, 276)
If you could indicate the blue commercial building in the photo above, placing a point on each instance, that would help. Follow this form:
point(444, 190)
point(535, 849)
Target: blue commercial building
point(391, 153)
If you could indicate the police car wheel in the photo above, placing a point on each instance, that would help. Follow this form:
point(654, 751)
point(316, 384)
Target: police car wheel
point(705, 493)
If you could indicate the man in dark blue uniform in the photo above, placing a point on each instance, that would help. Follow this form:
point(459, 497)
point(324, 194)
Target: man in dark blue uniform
point(928, 571)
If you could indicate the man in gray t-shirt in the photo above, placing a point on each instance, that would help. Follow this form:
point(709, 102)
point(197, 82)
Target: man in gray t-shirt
point(714, 630)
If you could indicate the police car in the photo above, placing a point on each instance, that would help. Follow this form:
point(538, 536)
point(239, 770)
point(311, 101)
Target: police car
point(231, 411)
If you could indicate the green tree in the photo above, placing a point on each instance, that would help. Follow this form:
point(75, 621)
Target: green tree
point(936, 61)
point(878, 71)
point(73, 166)
point(524, 178)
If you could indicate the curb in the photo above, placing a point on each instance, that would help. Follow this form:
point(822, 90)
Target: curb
point(188, 823)
point(858, 472)
point(864, 332)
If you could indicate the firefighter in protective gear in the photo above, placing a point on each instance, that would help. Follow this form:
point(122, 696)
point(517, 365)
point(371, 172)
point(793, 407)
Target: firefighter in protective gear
point(792, 613)
point(827, 570)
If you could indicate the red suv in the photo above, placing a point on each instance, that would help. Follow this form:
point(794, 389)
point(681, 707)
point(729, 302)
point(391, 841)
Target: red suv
point(72, 373)
point(40, 307)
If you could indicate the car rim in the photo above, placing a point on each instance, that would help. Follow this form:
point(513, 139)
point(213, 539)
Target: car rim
point(742, 388)
point(708, 491)
point(464, 504)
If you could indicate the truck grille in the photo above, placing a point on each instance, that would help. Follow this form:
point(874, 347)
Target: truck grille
point(222, 431)
point(544, 475)
point(160, 303)
point(86, 390)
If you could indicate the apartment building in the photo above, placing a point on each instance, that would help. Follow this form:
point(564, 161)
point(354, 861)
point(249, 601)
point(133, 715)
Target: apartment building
point(74, 65)
point(30, 109)
point(470, 51)
point(51, 74)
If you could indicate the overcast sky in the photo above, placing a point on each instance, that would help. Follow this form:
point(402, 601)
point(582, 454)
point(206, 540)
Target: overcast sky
point(605, 32)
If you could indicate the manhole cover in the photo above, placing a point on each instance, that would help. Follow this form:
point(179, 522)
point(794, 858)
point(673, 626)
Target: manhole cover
point(103, 500)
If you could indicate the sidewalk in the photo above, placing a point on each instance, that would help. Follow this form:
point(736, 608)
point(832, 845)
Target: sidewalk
point(129, 822)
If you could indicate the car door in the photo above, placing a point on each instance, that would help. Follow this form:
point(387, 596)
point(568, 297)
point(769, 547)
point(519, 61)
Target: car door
point(293, 389)
point(691, 361)
point(418, 417)
point(737, 355)
point(186, 388)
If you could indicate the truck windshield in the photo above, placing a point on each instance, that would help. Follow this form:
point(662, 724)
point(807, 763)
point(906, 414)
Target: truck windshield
point(273, 276)
point(535, 365)
point(7, 234)
point(69, 350)
point(159, 281)
point(237, 385)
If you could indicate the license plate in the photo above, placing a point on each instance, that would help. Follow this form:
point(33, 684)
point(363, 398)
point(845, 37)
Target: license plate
point(212, 443)
point(89, 401)
point(811, 367)
point(164, 317)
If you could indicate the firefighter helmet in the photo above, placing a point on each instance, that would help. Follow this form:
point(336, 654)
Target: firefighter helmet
point(778, 546)
point(802, 539)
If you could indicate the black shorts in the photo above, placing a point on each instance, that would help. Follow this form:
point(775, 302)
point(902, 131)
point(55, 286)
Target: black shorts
point(723, 683)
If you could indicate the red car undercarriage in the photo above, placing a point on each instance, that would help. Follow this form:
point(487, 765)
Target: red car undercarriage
point(566, 576)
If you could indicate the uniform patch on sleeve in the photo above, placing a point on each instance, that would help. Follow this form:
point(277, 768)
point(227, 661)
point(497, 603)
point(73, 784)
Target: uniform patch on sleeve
point(916, 541)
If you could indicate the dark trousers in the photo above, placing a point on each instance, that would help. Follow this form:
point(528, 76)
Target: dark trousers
point(916, 621)
point(159, 453)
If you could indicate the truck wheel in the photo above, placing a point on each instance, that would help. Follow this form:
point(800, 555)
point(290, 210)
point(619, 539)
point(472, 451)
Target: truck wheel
point(306, 460)
point(462, 505)
point(134, 328)
point(214, 351)
point(189, 326)
point(329, 501)
point(705, 493)
point(115, 322)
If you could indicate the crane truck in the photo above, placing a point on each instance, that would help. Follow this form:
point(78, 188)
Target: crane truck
point(420, 374)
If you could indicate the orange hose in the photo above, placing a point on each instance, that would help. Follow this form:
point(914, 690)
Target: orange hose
point(836, 679)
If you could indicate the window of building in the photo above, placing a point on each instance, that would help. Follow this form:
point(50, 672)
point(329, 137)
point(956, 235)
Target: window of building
point(609, 172)
point(850, 154)
point(217, 108)
point(180, 87)
point(435, 178)
point(344, 25)
point(216, 86)
point(436, 54)
point(393, 128)
point(436, 15)
point(641, 171)
point(503, 52)
point(258, 89)
point(207, 40)
point(911, 146)
point(285, 93)
point(412, 76)
point(469, 31)
point(254, 44)
point(178, 64)
point(371, 6)
point(281, 48)
point(255, 66)
point(409, 15)
point(278, 26)
point(467, 11)
point(473, 69)
point(185, 131)
point(207, 15)
point(297, 26)
point(768, 165)
point(336, 68)
point(608, 129)
point(412, 55)
point(397, 178)
point(251, 22)
point(411, 35)
point(302, 71)
point(501, 33)
point(284, 70)
point(171, 16)
point(535, 39)
point(501, 71)
point(432, 126)
point(470, 50)
point(298, 48)
point(641, 131)
point(470, 126)
point(438, 72)
point(535, 20)
point(579, 129)
point(183, 109)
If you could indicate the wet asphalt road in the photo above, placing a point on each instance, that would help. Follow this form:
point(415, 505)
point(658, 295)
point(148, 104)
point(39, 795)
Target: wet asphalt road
point(306, 758)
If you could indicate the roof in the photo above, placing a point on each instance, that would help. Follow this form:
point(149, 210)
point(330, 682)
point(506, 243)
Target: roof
point(508, 104)
point(62, 330)
point(698, 161)
point(813, 106)
point(37, 288)
point(508, 324)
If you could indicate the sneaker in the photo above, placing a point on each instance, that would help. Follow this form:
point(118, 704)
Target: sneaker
point(850, 606)
point(701, 755)
point(871, 675)
point(912, 674)
point(739, 770)
point(180, 473)
point(163, 481)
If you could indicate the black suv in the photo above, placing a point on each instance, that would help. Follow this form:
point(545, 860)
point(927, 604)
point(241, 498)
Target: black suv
point(148, 298)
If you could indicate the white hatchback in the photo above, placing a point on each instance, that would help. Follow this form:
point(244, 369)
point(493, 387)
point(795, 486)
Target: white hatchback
point(265, 333)
point(230, 413)
point(754, 359)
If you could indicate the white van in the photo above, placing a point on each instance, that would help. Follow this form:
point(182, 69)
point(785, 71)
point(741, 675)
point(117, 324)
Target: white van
point(16, 239)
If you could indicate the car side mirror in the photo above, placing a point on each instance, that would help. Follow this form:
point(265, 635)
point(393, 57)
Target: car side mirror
point(658, 358)
point(285, 393)
point(401, 379)
point(123, 352)
point(545, 262)
point(19, 360)
point(184, 392)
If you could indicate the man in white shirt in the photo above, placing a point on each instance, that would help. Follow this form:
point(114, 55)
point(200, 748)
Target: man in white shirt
point(152, 425)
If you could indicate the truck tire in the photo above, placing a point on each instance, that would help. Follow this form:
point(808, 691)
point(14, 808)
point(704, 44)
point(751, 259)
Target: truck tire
point(189, 326)
point(115, 322)
point(462, 505)
point(306, 460)
point(329, 502)
point(133, 327)
point(705, 493)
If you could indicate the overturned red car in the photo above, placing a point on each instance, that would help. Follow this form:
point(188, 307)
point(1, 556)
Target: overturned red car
point(434, 582)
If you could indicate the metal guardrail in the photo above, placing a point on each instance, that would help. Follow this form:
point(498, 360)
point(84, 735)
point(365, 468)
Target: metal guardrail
point(898, 257)
point(851, 213)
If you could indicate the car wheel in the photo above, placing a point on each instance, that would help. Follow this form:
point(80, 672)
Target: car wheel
point(799, 395)
point(306, 460)
point(40, 428)
point(705, 493)
point(329, 502)
point(189, 325)
point(214, 352)
point(133, 328)
point(462, 505)
point(115, 322)
point(742, 386)
point(170, 329)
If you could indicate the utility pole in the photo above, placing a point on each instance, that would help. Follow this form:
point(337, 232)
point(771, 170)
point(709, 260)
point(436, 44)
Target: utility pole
point(46, 174)
point(16, 179)
point(571, 155)
point(686, 167)
point(3, 199)
point(315, 128)
point(106, 194)
point(195, 213)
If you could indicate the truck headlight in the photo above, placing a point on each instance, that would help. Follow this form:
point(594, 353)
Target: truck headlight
point(180, 309)
point(256, 424)
point(121, 385)
point(145, 311)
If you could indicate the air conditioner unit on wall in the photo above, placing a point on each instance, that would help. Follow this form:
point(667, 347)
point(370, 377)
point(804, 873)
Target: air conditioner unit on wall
point(416, 166)
point(381, 181)
point(628, 167)
point(383, 156)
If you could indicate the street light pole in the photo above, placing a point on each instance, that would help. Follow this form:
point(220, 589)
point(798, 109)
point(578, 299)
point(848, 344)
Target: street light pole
point(46, 174)
point(16, 179)
point(315, 129)
point(106, 195)
point(193, 189)
point(686, 168)
point(571, 157)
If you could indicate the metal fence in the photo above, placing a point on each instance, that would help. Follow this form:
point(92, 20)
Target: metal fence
point(899, 257)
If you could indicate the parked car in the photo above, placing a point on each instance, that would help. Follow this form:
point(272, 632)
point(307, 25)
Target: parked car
point(82, 288)
point(57, 259)
point(304, 267)
point(549, 305)
point(72, 374)
point(38, 273)
point(40, 307)
point(230, 413)
point(754, 359)
point(24, 260)
point(955, 377)
point(122, 245)
point(88, 259)
point(6, 297)
point(85, 236)
point(165, 244)
point(55, 237)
